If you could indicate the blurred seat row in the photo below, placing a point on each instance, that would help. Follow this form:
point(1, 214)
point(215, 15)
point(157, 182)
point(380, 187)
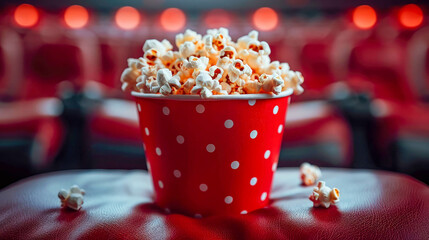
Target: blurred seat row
point(365, 103)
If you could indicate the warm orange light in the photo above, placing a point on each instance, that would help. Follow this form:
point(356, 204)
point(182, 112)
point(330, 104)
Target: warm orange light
point(265, 19)
point(76, 16)
point(217, 18)
point(173, 19)
point(26, 15)
point(127, 18)
point(411, 16)
point(364, 17)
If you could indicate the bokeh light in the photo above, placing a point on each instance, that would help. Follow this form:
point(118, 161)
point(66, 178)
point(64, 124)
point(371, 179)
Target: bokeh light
point(217, 18)
point(410, 16)
point(76, 16)
point(26, 15)
point(364, 17)
point(173, 19)
point(265, 19)
point(127, 18)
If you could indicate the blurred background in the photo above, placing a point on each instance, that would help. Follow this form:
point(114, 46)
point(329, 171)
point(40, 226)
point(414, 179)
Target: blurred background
point(366, 69)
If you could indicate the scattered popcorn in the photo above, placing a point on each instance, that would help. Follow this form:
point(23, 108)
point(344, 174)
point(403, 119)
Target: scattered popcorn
point(73, 198)
point(209, 65)
point(324, 196)
point(309, 173)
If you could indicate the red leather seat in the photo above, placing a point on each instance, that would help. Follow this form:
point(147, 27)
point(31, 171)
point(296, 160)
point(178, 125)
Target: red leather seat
point(118, 205)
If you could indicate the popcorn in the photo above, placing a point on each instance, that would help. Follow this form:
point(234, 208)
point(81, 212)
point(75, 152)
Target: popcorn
point(166, 80)
point(324, 196)
point(209, 65)
point(73, 198)
point(309, 173)
point(205, 85)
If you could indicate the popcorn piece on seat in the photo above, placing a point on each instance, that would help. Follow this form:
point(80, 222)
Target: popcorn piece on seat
point(73, 198)
point(324, 196)
point(309, 173)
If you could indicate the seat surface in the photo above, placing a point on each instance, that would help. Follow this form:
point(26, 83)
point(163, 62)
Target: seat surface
point(118, 205)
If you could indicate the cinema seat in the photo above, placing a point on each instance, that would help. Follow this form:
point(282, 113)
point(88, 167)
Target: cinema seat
point(118, 204)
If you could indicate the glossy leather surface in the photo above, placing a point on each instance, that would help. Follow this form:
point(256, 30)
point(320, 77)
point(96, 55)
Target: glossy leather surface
point(118, 205)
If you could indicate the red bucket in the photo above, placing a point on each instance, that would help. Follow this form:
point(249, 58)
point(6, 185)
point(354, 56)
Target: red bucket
point(212, 156)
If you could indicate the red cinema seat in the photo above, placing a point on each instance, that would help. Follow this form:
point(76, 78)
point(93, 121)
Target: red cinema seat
point(119, 204)
point(31, 136)
point(315, 132)
point(114, 133)
point(370, 63)
point(11, 63)
point(56, 55)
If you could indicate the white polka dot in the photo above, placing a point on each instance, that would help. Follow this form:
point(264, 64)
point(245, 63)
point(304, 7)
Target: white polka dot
point(180, 139)
point(203, 187)
point(228, 199)
point(200, 108)
point(252, 102)
point(267, 154)
point(279, 130)
point(276, 110)
point(148, 166)
point(229, 123)
point(166, 111)
point(146, 130)
point(263, 196)
point(274, 166)
point(144, 146)
point(160, 184)
point(210, 148)
point(138, 107)
point(253, 181)
point(243, 212)
point(197, 215)
point(253, 134)
point(235, 165)
point(177, 173)
point(167, 210)
point(158, 151)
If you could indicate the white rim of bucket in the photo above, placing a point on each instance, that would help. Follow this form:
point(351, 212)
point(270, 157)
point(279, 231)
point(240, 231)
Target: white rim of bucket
point(286, 93)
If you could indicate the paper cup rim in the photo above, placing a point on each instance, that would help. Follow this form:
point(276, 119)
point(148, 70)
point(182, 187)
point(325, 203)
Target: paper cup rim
point(286, 93)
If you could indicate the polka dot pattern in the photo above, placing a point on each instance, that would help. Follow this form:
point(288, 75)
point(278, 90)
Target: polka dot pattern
point(263, 196)
point(177, 173)
point(203, 187)
point(267, 154)
point(280, 128)
point(182, 143)
point(200, 108)
point(253, 134)
point(180, 139)
point(166, 111)
point(228, 199)
point(210, 148)
point(229, 123)
point(235, 165)
point(253, 181)
point(139, 107)
point(274, 167)
point(276, 110)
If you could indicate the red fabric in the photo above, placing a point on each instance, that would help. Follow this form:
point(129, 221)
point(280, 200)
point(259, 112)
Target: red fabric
point(118, 205)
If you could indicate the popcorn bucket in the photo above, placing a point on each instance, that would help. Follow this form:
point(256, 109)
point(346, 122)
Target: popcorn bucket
point(212, 156)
